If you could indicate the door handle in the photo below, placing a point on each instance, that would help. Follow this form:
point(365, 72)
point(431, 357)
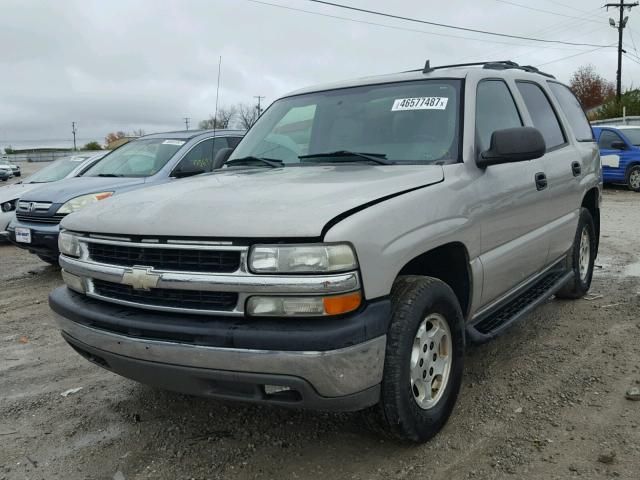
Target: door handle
point(576, 169)
point(541, 181)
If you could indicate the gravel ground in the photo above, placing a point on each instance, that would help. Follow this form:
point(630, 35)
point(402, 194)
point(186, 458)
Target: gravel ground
point(544, 401)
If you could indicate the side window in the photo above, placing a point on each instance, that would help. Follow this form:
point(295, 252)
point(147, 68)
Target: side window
point(573, 111)
point(542, 114)
point(495, 110)
point(218, 144)
point(607, 138)
point(200, 157)
point(233, 141)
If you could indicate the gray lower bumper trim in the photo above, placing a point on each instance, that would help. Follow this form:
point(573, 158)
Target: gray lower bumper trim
point(333, 373)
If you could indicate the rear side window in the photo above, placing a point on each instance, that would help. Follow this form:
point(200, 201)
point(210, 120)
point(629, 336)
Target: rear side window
point(495, 110)
point(607, 138)
point(542, 114)
point(573, 111)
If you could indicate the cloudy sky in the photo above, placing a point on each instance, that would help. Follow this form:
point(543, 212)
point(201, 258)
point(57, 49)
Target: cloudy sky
point(146, 64)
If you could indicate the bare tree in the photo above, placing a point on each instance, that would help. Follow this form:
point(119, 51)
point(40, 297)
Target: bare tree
point(138, 133)
point(247, 114)
point(591, 89)
point(113, 136)
point(225, 115)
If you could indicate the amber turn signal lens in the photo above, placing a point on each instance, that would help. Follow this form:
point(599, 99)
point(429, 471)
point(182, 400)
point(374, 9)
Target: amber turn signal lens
point(336, 305)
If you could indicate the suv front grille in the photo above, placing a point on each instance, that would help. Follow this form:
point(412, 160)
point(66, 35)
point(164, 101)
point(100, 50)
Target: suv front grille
point(173, 259)
point(54, 219)
point(163, 297)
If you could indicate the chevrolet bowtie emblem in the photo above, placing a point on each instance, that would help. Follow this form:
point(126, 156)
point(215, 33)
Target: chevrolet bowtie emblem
point(140, 278)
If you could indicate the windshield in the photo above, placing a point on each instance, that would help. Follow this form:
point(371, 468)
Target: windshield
point(139, 158)
point(57, 170)
point(412, 122)
point(633, 134)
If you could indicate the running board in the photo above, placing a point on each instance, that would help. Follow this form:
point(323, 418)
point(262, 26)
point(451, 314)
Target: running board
point(494, 322)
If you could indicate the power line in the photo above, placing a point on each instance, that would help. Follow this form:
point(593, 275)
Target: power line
point(571, 56)
point(395, 27)
point(570, 7)
point(444, 25)
point(544, 11)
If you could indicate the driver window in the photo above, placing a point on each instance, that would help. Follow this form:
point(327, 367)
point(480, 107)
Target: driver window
point(495, 110)
point(199, 157)
point(607, 138)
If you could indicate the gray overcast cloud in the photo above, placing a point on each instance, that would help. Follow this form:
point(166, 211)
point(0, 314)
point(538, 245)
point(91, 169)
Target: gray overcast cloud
point(124, 65)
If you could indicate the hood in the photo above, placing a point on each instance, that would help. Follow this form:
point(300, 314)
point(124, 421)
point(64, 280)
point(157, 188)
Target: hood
point(66, 189)
point(280, 202)
point(17, 190)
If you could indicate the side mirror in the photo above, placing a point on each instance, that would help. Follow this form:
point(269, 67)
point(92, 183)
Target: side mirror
point(619, 145)
point(221, 157)
point(187, 170)
point(513, 145)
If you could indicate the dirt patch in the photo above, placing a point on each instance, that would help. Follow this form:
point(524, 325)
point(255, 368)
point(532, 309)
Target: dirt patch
point(544, 401)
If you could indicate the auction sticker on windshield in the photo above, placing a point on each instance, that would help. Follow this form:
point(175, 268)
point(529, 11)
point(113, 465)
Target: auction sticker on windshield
point(23, 235)
point(173, 142)
point(420, 103)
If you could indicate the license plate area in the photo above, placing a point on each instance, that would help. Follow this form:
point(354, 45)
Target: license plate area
point(23, 235)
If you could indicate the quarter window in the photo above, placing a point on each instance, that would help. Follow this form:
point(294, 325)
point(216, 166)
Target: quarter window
point(573, 111)
point(607, 138)
point(495, 110)
point(542, 114)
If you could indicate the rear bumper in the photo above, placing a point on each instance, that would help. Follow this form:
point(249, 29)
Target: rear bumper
point(342, 373)
point(44, 238)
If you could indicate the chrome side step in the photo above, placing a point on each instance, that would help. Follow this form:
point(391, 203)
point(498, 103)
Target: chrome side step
point(494, 322)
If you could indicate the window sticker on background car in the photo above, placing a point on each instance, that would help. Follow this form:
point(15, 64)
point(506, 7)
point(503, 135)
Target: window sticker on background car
point(173, 142)
point(420, 103)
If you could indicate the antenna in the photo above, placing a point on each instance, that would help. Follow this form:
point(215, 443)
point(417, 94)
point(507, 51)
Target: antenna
point(215, 116)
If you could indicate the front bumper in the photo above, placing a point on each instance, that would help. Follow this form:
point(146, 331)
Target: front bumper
point(44, 238)
point(336, 364)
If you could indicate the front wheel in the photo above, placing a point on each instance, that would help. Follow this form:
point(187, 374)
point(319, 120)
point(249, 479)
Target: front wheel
point(581, 258)
point(633, 178)
point(423, 360)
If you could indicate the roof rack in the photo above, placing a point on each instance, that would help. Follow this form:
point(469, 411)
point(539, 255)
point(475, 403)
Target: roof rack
point(493, 65)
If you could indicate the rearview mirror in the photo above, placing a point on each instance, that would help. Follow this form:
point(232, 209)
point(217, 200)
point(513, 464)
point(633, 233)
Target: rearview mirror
point(619, 145)
point(513, 145)
point(221, 157)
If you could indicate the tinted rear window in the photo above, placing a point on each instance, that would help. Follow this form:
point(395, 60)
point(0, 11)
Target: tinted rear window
point(573, 111)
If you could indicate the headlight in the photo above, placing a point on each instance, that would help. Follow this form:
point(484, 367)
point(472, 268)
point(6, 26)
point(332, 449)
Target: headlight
point(82, 201)
point(68, 244)
point(302, 258)
point(9, 206)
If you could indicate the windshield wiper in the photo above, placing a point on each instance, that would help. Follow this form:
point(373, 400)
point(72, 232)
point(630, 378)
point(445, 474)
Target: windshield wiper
point(380, 158)
point(271, 162)
point(109, 175)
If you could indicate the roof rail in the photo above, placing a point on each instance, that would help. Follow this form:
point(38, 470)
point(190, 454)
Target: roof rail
point(494, 65)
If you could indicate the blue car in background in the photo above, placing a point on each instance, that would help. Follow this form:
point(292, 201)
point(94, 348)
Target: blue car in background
point(620, 154)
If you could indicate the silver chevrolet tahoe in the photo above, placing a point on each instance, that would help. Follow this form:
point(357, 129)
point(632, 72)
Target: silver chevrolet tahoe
point(358, 236)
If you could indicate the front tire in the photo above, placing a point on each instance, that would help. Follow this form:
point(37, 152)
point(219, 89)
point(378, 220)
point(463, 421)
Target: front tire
point(633, 178)
point(424, 359)
point(581, 258)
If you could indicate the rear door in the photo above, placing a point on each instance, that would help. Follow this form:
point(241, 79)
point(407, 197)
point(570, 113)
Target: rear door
point(561, 168)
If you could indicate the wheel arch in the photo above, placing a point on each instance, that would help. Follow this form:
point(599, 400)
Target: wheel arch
point(450, 263)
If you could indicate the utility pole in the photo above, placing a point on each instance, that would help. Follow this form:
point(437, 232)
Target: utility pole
point(621, 24)
point(186, 122)
point(259, 107)
point(73, 130)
